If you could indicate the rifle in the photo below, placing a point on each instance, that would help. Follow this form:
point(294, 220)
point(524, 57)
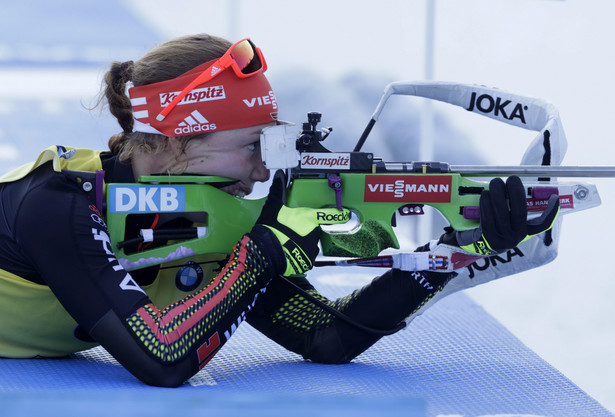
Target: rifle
point(375, 191)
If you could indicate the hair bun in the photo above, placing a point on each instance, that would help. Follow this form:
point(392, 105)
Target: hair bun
point(126, 70)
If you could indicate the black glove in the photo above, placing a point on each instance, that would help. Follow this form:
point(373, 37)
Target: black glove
point(296, 229)
point(503, 220)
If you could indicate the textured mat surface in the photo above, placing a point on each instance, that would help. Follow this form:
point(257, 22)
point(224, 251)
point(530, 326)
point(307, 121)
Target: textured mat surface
point(454, 360)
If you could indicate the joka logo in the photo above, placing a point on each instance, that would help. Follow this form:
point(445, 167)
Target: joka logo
point(325, 160)
point(484, 263)
point(128, 198)
point(215, 92)
point(487, 104)
point(408, 188)
point(194, 123)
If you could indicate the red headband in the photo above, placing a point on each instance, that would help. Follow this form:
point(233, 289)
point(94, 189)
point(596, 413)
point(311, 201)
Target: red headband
point(223, 103)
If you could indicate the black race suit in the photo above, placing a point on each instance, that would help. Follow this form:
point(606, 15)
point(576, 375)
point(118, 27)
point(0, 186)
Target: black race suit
point(52, 237)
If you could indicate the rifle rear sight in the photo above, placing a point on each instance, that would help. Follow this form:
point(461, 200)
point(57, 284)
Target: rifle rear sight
point(309, 137)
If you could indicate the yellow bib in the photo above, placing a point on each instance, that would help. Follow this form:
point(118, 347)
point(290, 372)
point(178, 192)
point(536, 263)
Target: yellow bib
point(34, 323)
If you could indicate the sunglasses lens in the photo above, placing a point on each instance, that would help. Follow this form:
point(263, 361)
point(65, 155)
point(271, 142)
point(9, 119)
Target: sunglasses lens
point(246, 57)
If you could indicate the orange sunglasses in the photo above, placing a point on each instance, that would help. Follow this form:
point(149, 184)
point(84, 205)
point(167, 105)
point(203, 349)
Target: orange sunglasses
point(243, 57)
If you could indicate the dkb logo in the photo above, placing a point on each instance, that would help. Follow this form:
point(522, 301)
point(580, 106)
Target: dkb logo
point(146, 198)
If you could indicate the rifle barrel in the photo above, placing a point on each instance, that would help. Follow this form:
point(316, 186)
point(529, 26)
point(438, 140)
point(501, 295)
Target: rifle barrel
point(535, 171)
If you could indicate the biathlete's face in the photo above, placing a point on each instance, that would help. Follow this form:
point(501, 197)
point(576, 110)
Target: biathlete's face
point(229, 153)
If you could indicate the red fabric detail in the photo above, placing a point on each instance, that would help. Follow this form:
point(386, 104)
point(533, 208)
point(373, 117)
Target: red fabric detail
point(190, 301)
point(226, 102)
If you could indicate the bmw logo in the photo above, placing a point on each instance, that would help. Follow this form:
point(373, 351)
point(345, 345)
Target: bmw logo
point(189, 277)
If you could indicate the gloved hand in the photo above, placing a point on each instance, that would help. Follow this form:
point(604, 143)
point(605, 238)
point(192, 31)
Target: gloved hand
point(296, 229)
point(503, 220)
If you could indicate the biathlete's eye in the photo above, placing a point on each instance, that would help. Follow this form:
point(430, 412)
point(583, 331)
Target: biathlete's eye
point(252, 146)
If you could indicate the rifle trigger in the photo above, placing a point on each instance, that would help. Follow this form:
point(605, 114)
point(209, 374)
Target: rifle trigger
point(335, 182)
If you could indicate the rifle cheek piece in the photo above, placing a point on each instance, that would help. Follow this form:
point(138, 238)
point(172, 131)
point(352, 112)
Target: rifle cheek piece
point(278, 146)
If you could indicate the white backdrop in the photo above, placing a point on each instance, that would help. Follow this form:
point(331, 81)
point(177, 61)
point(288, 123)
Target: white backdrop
point(560, 51)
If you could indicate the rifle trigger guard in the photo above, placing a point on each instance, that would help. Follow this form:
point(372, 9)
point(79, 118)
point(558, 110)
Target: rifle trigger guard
point(335, 182)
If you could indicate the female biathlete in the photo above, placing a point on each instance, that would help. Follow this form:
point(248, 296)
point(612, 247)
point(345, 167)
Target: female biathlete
point(183, 108)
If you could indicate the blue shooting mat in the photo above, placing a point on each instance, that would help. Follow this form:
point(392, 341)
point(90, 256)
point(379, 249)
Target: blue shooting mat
point(455, 359)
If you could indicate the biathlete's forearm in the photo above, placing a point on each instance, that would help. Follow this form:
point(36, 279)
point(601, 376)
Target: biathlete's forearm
point(182, 337)
point(291, 320)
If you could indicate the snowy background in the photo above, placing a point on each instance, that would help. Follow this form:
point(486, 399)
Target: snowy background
point(336, 57)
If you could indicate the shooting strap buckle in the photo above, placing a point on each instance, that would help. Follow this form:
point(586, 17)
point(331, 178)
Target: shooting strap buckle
point(335, 182)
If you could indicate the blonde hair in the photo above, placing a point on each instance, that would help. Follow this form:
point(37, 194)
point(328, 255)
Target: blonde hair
point(164, 62)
